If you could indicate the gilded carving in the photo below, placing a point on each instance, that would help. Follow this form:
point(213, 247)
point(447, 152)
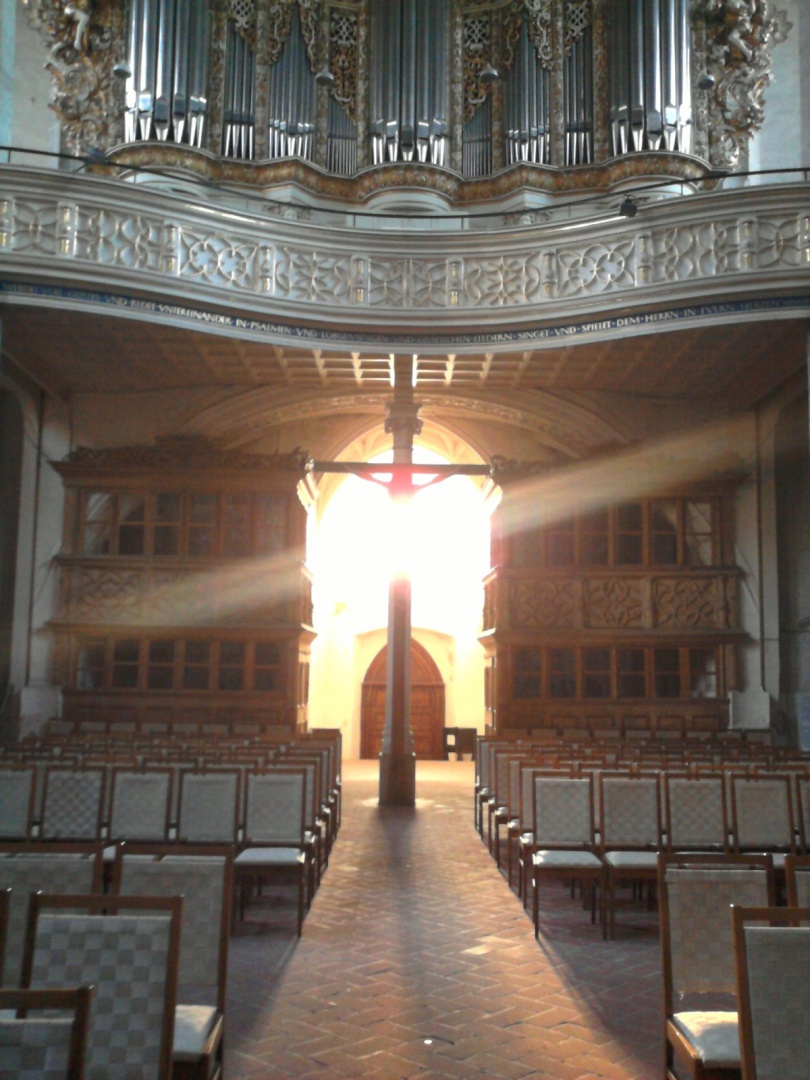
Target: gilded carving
point(193, 452)
point(741, 34)
point(545, 604)
point(689, 603)
point(477, 53)
point(615, 603)
point(83, 39)
point(343, 58)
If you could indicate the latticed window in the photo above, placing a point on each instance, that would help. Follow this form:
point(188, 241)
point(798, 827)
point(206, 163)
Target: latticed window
point(172, 664)
point(677, 531)
point(166, 524)
point(615, 672)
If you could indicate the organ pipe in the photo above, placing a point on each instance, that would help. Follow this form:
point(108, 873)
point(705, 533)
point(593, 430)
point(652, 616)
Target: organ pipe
point(409, 91)
point(650, 87)
point(292, 99)
point(526, 106)
point(168, 47)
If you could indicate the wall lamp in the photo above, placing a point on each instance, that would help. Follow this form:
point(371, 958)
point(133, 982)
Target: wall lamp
point(629, 207)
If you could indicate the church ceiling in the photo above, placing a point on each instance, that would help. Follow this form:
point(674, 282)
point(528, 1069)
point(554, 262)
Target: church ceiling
point(730, 366)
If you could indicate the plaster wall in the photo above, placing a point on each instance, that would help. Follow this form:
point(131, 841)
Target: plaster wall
point(39, 540)
point(776, 146)
point(25, 89)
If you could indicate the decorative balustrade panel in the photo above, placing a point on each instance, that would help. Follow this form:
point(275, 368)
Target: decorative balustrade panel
point(699, 602)
point(154, 596)
point(669, 256)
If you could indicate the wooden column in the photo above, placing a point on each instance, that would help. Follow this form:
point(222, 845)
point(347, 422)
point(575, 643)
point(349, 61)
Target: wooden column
point(397, 760)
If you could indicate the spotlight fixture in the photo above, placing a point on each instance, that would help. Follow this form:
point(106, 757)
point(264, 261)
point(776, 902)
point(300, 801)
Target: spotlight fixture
point(95, 155)
point(325, 77)
point(629, 207)
point(122, 70)
point(706, 81)
point(488, 74)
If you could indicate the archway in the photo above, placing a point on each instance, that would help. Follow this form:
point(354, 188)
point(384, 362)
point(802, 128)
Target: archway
point(427, 705)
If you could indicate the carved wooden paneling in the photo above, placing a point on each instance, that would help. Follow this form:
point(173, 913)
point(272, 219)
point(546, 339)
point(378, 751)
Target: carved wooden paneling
point(536, 600)
point(139, 596)
point(648, 716)
point(546, 604)
point(614, 603)
point(693, 603)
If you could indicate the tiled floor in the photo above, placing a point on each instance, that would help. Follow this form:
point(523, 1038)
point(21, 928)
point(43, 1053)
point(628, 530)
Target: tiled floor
point(417, 960)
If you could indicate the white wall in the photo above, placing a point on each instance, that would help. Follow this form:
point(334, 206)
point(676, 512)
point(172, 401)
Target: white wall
point(784, 140)
point(26, 89)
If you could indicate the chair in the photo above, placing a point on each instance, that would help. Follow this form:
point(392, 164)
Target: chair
point(697, 947)
point(564, 841)
point(797, 880)
point(772, 949)
point(204, 878)
point(17, 793)
point(696, 817)
point(209, 803)
point(44, 1047)
point(762, 815)
point(140, 804)
point(630, 841)
point(73, 801)
point(273, 847)
point(127, 948)
point(45, 868)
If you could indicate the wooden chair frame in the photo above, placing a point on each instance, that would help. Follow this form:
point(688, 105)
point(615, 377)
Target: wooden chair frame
point(103, 906)
point(790, 917)
point(796, 866)
point(75, 1000)
point(676, 1044)
point(210, 1065)
point(249, 872)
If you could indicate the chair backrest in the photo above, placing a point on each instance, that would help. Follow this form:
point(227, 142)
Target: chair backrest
point(127, 948)
point(209, 806)
point(17, 793)
point(630, 811)
point(204, 879)
point(695, 894)
point(44, 1047)
point(140, 804)
point(696, 816)
point(73, 801)
point(563, 811)
point(797, 880)
point(275, 806)
point(803, 810)
point(313, 768)
point(45, 868)
point(762, 813)
point(5, 905)
point(772, 947)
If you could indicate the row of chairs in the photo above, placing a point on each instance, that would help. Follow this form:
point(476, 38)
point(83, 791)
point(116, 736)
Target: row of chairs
point(609, 825)
point(736, 968)
point(153, 948)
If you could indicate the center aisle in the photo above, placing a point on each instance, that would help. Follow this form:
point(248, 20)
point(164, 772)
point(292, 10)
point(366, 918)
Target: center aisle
point(417, 961)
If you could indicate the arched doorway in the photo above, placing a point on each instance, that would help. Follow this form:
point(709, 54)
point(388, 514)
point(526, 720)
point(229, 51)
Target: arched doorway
point(427, 705)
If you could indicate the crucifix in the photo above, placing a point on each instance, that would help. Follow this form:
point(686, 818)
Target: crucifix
point(397, 760)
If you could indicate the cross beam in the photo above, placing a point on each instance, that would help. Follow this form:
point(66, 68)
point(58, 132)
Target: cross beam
point(397, 760)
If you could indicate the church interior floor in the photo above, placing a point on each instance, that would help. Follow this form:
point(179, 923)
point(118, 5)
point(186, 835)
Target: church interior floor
point(417, 960)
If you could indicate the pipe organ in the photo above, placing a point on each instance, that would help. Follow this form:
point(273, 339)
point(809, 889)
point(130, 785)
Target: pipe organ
point(475, 86)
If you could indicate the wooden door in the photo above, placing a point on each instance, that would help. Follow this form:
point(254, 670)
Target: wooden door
point(427, 706)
